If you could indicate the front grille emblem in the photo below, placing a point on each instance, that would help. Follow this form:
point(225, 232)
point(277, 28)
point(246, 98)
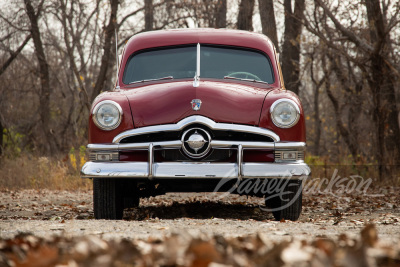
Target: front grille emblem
point(196, 104)
point(196, 142)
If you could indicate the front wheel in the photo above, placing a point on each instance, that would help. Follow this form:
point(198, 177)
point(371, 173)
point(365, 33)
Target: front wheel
point(287, 204)
point(108, 199)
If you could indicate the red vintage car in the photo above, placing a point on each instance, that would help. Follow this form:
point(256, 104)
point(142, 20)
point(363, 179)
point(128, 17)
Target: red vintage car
point(197, 110)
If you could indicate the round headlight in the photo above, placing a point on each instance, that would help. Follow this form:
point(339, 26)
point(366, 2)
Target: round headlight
point(285, 113)
point(107, 115)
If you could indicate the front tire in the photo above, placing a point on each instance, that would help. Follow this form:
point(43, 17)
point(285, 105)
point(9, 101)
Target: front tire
point(287, 207)
point(108, 199)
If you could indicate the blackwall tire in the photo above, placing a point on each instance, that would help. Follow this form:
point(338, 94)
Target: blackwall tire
point(108, 199)
point(292, 211)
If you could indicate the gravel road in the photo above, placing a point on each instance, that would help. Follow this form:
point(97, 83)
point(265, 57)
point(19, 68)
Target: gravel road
point(47, 213)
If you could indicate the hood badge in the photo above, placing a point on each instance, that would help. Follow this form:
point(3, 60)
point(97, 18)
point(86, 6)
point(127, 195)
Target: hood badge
point(196, 104)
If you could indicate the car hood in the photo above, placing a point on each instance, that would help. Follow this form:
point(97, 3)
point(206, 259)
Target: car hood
point(167, 103)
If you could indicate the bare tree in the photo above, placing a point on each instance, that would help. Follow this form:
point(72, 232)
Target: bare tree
point(291, 44)
point(317, 83)
point(245, 15)
point(44, 74)
point(379, 72)
point(148, 15)
point(109, 33)
point(268, 23)
point(220, 14)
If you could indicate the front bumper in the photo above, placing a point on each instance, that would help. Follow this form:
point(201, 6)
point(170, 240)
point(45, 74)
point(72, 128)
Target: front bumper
point(193, 170)
point(159, 170)
point(281, 168)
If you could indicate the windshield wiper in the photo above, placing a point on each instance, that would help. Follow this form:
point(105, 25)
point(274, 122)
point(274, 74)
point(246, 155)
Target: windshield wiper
point(149, 80)
point(242, 79)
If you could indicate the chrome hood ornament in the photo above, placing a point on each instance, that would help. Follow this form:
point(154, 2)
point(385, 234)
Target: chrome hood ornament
point(196, 104)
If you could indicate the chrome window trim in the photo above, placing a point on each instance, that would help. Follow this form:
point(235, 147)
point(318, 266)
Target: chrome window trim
point(196, 119)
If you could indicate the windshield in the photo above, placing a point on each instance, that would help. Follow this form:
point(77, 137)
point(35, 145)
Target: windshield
point(215, 62)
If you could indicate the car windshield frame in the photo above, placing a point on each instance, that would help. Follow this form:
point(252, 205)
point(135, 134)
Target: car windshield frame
point(225, 51)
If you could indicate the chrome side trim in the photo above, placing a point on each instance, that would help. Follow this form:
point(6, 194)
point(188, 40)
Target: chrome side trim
point(193, 170)
point(199, 120)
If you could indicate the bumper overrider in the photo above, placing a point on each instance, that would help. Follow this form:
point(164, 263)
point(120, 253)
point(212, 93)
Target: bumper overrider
point(105, 160)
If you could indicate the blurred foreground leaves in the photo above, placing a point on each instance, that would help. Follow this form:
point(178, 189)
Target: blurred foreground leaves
point(184, 249)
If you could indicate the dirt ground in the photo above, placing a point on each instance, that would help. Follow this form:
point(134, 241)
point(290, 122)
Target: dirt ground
point(47, 214)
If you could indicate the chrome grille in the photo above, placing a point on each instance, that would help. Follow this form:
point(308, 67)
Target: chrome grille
point(222, 135)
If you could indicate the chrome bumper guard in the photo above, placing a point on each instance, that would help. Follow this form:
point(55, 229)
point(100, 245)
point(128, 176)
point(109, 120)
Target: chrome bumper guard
point(159, 170)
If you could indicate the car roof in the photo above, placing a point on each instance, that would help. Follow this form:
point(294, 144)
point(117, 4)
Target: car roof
point(173, 37)
point(200, 35)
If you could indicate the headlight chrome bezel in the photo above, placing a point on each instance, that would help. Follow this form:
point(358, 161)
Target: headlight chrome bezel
point(96, 109)
point(290, 102)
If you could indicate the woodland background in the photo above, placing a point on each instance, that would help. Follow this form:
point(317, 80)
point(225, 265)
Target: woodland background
point(56, 56)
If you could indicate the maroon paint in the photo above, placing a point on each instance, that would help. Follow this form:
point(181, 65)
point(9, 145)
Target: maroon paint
point(258, 155)
point(170, 102)
point(229, 101)
point(96, 135)
point(295, 133)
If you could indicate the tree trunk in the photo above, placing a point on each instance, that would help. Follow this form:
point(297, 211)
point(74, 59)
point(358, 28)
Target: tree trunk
point(317, 121)
point(44, 99)
point(268, 23)
point(339, 124)
point(148, 15)
point(107, 50)
point(291, 44)
point(245, 16)
point(83, 94)
point(383, 92)
point(220, 14)
point(1, 138)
